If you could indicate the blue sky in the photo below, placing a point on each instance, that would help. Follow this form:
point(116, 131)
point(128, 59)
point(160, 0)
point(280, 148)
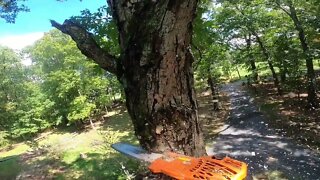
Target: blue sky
point(30, 26)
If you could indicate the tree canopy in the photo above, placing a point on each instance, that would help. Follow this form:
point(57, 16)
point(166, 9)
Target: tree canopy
point(9, 9)
point(60, 87)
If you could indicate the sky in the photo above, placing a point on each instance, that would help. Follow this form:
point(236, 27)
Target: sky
point(30, 26)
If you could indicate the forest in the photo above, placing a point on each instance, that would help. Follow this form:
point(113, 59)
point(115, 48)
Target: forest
point(246, 73)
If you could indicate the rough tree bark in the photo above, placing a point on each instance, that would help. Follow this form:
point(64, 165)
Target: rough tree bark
point(155, 69)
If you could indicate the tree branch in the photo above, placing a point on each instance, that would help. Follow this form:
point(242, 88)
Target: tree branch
point(200, 55)
point(283, 9)
point(87, 45)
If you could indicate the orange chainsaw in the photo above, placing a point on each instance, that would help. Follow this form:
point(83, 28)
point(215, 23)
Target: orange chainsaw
point(179, 166)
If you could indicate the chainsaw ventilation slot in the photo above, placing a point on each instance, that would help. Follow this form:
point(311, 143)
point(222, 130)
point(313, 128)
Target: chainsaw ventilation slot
point(203, 168)
point(210, 168)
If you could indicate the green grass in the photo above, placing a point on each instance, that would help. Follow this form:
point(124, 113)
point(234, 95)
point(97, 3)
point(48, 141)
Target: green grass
point(9, 169)
point(17, 150)
point(277, 175)
point(71, 154)
point(101, 166)
point(101, 161)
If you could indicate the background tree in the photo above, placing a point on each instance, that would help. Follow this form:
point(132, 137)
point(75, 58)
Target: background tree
point(20, 98)
point(10, 9)
point(60, 87)
point(10, 86)
point(289, 7)
point(253, 16)
point(206, 49)
point(75, 86)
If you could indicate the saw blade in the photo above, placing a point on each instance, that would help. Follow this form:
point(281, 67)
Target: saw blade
point(136, 152)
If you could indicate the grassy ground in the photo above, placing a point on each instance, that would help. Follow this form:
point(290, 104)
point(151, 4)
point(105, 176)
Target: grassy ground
point(73, 154)
point(86, 154)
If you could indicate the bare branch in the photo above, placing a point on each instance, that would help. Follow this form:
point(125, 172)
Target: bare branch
point(282, 8)
point(87, 45)
point(200, 55)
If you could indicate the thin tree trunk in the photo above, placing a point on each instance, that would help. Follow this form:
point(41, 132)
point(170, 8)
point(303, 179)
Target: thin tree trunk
point(283, 71)
point(265, 54)
point(91, 123)
point(214, 93)
point(267, 57)
point(238, 72)
point(312, 96)
point(254, 70)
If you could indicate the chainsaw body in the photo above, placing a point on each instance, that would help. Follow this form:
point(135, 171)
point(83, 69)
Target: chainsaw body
point(207, 167)
point(184, 167)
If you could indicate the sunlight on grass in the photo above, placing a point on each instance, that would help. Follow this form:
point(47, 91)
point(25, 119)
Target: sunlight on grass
point(88, 154)
point(276, 175)
point(69, 153)
point(17, 150)
point(112, 113)
point(69, 157)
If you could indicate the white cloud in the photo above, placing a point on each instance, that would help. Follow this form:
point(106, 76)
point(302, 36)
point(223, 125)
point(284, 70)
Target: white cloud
point(18, 42)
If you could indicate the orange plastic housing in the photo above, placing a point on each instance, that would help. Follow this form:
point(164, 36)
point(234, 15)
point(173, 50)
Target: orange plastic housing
point(208, 167)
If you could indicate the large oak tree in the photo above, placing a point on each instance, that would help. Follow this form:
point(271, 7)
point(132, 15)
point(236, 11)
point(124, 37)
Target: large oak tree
point(155, 69)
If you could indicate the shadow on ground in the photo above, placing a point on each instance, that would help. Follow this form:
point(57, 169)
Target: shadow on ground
point(212, 120)
point(269, 154)
point(73, 153)
point(92, 166)
point(9, 167)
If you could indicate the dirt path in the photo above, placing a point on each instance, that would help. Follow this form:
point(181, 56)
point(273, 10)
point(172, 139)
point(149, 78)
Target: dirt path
point(270, 155)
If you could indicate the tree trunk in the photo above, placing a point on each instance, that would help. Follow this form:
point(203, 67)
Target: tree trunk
point(265, 53)
point(312, 96)
point(155, 69)
point(158, 77)
point(214, 93)
point(254, 70)
point(283, 71)
point(267, 56)
point(238, 72)
point(283, 75)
